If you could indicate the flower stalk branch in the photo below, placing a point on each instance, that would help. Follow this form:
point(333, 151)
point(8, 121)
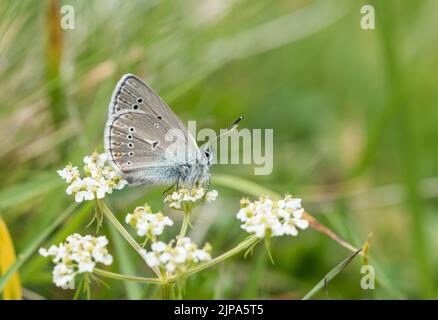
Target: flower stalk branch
point(125, 234)
point(173, 261)
point(123, 277)
point(316, 225)
point(244, 245)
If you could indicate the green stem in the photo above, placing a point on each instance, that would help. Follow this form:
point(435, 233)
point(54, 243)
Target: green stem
point(185, 224)
point(248, 243)
point(166, 291)
point(110, 216)
point(123, 277)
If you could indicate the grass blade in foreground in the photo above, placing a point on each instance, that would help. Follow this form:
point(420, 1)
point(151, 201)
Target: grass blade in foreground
point(22, 257)
point(12, 289)
point(329, 276)
point(127, 266)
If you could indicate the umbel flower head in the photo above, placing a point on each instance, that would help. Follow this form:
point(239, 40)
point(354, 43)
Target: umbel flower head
point(79, 254)
point(176, 256)
point(147, 223)
point(184, 197)
point(269, 218)
point(99, 178)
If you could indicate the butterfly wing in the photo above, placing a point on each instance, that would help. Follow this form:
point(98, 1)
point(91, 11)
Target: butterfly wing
point(144, 140)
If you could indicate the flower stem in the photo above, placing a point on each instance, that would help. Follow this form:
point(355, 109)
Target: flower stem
point(123, 277)
point(185, 224)
point(247, 243)
point(166, 291)
point(110, 216)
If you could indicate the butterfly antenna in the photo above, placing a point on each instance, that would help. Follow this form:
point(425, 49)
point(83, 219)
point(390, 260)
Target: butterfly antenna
point(231, 128)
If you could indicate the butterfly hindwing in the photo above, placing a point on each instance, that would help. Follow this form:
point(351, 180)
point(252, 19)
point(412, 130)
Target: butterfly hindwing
point(138, 149)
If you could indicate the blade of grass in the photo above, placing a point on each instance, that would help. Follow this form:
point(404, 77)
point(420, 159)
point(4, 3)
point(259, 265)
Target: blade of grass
point(12, 289)
point(51, 205)
point(24, 256)
point(330, 275)
point(255, 277)
point(243, 185)
point(28, 190)
point(54, 56)
point(134, 290)
point(366, 248)
point(407, 146)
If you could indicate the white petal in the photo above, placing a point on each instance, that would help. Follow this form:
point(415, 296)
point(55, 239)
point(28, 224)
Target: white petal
point(158, 246)
point(301, 223)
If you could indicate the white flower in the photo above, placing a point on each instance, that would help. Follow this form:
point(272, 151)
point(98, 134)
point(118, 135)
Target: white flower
point(176, 256)
point(211, 196)
point(53, 250)
point(63, 276)
point(69, 173)
point(100, 179)
point(266, 217)
point(77, 255)
point(96, 159)
point(159, 246)
point(184, 196)
point(147, 223)
point(152, 259)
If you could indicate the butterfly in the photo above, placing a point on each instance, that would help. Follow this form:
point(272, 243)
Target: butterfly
point(146, 143)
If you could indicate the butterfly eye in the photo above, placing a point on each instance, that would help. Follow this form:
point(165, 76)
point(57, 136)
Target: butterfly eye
point(135, 106)
point(131, 129)
point(156, 125)
point(159, 117)
point(207, 154)
point(139, 100)
point(130, 145)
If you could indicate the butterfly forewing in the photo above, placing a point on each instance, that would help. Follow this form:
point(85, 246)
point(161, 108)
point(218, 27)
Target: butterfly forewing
point(132, 94)
point(140, 133)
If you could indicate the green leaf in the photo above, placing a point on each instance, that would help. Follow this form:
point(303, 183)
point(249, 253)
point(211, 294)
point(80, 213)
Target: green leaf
point(329, 276)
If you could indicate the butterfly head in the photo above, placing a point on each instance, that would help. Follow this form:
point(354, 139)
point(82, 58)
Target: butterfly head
point(207, 153)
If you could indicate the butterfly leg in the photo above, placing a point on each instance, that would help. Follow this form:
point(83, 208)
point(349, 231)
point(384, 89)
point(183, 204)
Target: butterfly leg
point(167, 191)
point(195, 178)
point(208, 183)
point(178, 181)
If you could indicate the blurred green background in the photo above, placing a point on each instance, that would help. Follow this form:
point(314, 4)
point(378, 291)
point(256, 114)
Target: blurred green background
point(354, 114)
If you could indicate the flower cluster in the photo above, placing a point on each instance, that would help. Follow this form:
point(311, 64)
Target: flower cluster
point(99, 179)
point(78, 254)
point(176, 257)
point(184, 196)
point(147, 223)
point(266, 217)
